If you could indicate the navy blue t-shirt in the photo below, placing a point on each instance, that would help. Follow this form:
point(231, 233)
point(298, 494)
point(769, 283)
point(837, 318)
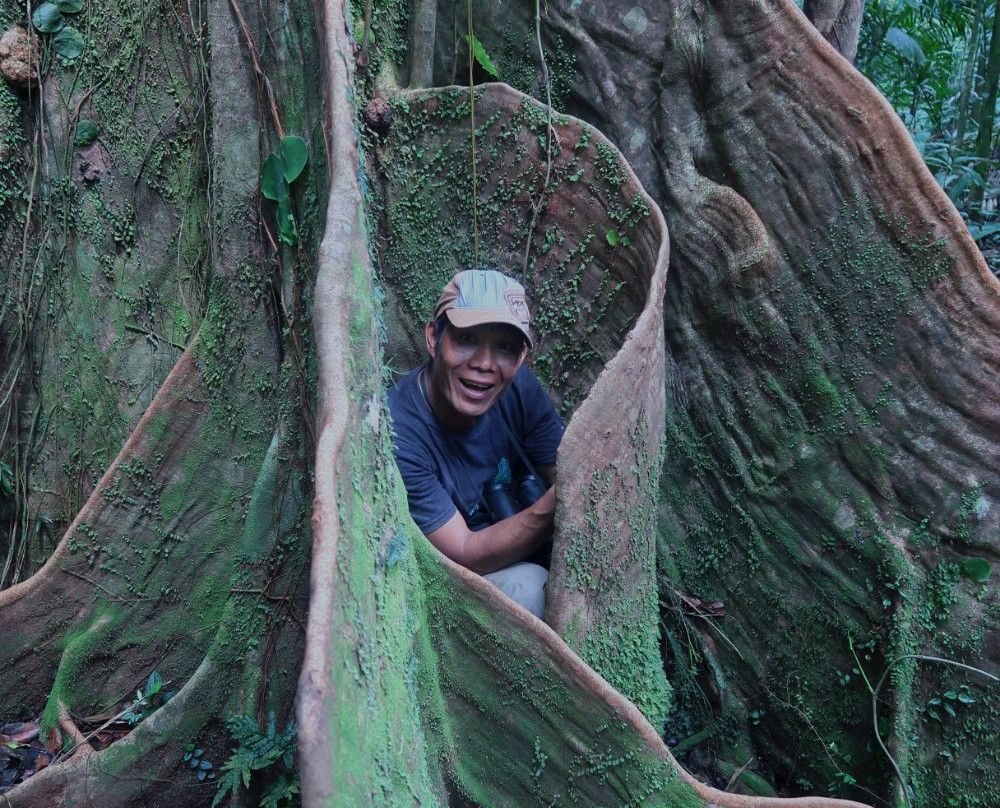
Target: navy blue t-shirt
point(444, 470)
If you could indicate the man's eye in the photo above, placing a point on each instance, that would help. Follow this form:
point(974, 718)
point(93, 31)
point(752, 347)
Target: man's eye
point(467, 339)
point(507, 348)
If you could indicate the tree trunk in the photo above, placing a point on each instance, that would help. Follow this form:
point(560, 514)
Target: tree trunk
point(422, 29)
point(839, 21)
point(985, 115)
point(798, 462)
point(970, 73)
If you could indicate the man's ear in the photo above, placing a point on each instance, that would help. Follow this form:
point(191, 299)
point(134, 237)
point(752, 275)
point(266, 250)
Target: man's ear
point(524, 355)
point(430, 337)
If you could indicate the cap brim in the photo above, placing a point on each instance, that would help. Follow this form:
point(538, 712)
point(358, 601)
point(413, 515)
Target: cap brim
point(468, 318)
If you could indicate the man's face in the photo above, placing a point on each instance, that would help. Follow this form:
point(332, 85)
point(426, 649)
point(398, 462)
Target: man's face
point(471, 368)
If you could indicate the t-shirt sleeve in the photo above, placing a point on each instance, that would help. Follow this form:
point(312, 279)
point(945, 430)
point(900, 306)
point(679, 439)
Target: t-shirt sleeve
point(430, 505)
point(543, 428)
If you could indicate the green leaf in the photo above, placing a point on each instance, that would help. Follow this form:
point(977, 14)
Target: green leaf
point(69, 6)
point(86, 133)
point(48, 18)
point(272, 179)
point(154, 684)
point(287, 231)
point(965, 698)
point(982, 231)
point(294, 155)
point(905, 45)
point(482, 56)
point(976, 569)
point(68, 42)
point(613, 238)
point(205, 765)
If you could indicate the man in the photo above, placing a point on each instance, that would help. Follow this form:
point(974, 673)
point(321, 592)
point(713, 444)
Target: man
point(469, 425)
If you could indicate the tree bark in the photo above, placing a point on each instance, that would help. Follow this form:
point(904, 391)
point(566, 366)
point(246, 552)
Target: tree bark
point(985, 115)
point(839, 21)
point(970, 73)
point(422, 34)
point(804, 476)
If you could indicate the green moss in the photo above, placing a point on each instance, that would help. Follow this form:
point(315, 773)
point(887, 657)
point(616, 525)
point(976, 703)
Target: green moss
point(794, 485)
point(425, 204)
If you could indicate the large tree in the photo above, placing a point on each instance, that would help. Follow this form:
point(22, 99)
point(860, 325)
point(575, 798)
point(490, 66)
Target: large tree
point(783, 451)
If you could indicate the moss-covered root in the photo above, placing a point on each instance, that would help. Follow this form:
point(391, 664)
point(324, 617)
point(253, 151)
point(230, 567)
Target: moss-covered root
point(132, 767)
point(561, 207)
point(359, 738)
point(525, 721)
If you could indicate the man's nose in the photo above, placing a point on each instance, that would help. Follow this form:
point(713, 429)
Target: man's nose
point(485, 356)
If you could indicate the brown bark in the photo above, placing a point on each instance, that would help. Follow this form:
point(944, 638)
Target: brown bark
point(814, 335)
point(839, 21)
point(985, 114)
point(828, 355)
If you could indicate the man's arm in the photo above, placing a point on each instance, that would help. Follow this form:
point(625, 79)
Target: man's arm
point(502, 544)
point(548, 474)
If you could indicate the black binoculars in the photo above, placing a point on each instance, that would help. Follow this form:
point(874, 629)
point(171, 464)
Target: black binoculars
point(504, 502)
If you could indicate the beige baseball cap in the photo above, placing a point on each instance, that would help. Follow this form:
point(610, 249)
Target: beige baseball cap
point(479, 296)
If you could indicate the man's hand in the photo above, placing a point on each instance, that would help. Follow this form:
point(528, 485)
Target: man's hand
point(502, 544)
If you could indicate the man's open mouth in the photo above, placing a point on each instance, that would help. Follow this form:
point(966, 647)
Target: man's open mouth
point(475, 387)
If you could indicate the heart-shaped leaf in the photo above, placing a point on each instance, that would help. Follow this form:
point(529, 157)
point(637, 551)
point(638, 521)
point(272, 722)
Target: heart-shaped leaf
point(47, 18)
point(272, 179)
point(294, 155)
point(68, 42)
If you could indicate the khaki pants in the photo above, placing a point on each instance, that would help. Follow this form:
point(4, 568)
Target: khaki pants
point(524, 583)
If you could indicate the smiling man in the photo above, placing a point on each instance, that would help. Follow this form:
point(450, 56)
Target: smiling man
point(476, 437)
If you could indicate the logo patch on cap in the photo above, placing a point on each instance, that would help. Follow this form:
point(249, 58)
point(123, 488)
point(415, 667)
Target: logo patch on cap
point(516, 304)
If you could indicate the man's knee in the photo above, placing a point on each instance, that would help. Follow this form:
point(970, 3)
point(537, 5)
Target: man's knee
point(524, 583)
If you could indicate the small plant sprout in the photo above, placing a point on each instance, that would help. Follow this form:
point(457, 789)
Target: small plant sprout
point(200, 767)
point(279, 171)
point(615, 239)
point(147, 701)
